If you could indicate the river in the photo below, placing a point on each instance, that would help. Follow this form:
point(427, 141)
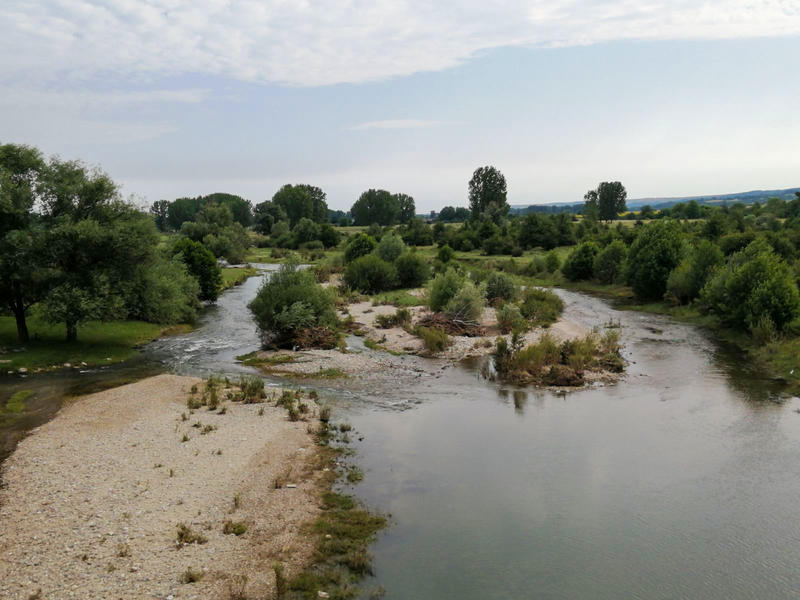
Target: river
point(682, 481)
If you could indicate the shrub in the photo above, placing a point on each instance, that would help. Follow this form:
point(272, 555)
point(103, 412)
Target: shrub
point(289, 301)
point(328, 235)
point(500, 286)
point(552, 261)
point(390, 247)
point(467, 304)
point(442, 289)
point(608, 263)
point(202, 265)
point(509, 318)
point(655, 252)
point(370, 274)
point(358, 246)
point(445, 254)
point(580, 262)
point(401, 317)
point(543, 307)
point(306, 231)
point(412, 270)
point(434, 339)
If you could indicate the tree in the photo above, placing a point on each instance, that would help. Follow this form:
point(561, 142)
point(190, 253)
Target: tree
point(580, 262)
point(656, 251)
point(181, 210)
point(265, 215)
point(302, 201)
point(487, 189)
point(376, 206)
point(591, 209)
point(407, 208)
point(201, 265)
point(608, 200)
point(609, 262)
point(160, 211)
point(215, 228)
point(360, 245)
point(21, 243)
point(241, 209)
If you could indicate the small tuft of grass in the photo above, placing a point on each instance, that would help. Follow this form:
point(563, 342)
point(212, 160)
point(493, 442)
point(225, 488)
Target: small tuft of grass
point(191, 576)
point(236, 528)
point(188, 536)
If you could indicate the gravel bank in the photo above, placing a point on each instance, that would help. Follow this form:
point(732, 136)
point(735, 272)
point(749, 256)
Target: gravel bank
point(92, 499)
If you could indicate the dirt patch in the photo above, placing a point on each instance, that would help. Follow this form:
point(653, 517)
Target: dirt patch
point(93, 499)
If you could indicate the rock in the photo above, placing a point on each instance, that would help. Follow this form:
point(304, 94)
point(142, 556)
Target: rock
point(22, 370)
point(67, 365)
point(291, 485)
point(321, 594)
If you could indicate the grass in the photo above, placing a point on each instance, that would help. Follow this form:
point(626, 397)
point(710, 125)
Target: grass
point(256, 359)
point(97, 344)
point(399, 298)
point(378, 347)
point(232, 276)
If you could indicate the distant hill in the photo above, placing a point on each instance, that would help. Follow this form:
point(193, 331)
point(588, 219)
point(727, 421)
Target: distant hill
point(665, 202)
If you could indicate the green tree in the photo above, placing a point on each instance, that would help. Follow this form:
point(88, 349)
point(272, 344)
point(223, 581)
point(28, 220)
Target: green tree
point(360, 245)
point(182, 210)
point(487, 192)
point(160, 211)
point(241, 209)
point(608, 264)
point(591, 208)
point(656, 251)
point(265, 215)
point(390, 247)
point(580, 262)
point(22, 272)
point(215, 228)
point(305, 231)
point(609, 200)
point(302, 201)
point(406, 206)
point(376, 206)
point(201, 265)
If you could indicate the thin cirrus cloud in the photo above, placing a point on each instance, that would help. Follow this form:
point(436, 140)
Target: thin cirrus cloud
point(328, 42)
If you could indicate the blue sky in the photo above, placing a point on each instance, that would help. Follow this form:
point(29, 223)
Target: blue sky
point(177, 98)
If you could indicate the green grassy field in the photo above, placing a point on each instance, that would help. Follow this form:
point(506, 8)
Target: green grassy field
point(98, 343)
point(232, 277)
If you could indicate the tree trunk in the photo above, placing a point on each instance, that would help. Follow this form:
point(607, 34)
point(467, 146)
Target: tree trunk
point(18, 308)
point(72, 331)
point(22, 325)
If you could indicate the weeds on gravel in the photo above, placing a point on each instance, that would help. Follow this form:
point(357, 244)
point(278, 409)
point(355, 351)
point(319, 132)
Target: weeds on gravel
point(185, 438)
point(191, 576)
point(281, 585)
point(237, 587)
point(236, 528)
point(252, 389)
point(187, 536)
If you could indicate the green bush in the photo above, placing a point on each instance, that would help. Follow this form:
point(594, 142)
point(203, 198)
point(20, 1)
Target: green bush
point(755, 283)
point(402, 316)
point(370, 274)
point(289, 301)
point(201, 264)
point(608, 264)
point(434, 339)
point(580, 262)
point(509, 318)
point(412, 270)
point(656, 251)
point(442, 289)
point(500, 286)
point(543, 307)
point(390, 247)
point(360, 245)
point(552, 261)
point(445, 254)
point(467, 304)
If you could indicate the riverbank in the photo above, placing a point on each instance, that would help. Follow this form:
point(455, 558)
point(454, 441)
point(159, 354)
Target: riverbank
point(104, 500)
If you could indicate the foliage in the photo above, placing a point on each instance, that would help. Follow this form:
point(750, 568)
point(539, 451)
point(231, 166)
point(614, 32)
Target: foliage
point(656, 251)
point(305, 231)
point(329, 236)
point(215, 228)
point(509, 318)
point(755, 283)
point(378, 206)
point(412, 270)
point(390, 247)
point(542, 307)
point(418, 233)
point(580, 262)
point(552, 261)
point(500, 286)
point(201, 265)
point(487, 192)
point(467, 303)
point(692, 273)
point(445, 254)
point(443, 288)
point(160, 209)
point(606, 202)
point(370, 274)
point(289, 301)
point(402, 316)
point(301, 201)
point(608, 264)
point(434, 339)
point(360, 245)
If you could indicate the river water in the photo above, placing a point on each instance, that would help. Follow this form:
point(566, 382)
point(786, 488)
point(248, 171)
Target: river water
point(682, 481)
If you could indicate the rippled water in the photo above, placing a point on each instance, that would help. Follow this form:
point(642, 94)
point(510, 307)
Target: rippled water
point(682, 481)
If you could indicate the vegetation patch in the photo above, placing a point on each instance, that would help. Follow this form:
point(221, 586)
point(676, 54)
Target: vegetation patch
point(16, 403)
point(234, 276)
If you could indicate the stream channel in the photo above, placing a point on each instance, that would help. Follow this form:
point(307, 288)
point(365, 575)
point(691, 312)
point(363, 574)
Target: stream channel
point(681, 481)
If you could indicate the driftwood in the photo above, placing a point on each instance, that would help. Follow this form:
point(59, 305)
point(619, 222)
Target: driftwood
point(452, 326)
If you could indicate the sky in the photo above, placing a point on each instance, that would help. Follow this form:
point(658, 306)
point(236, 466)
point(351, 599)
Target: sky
point(188, 97)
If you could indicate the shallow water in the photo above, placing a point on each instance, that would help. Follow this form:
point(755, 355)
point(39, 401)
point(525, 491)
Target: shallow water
point(682, 481)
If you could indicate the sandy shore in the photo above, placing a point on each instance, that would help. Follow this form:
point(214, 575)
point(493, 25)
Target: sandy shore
point(92, 499)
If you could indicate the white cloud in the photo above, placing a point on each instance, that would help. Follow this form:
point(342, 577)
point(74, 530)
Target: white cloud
point(330, 41)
